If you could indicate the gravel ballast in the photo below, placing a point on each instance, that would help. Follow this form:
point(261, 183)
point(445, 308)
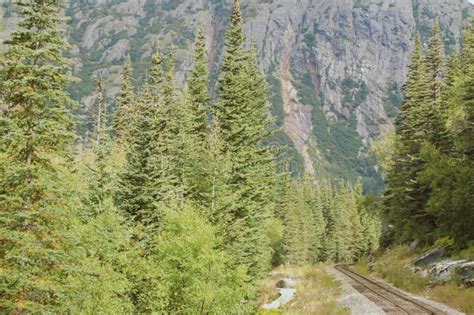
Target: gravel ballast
point(353, 299)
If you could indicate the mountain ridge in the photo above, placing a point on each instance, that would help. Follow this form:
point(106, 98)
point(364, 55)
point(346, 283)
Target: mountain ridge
point(335, 68)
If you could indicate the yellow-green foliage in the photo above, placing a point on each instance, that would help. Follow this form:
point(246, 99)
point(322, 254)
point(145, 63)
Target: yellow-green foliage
point(362, 266)
point(467, 253)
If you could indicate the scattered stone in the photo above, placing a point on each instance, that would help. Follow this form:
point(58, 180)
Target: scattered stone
point(429, 257)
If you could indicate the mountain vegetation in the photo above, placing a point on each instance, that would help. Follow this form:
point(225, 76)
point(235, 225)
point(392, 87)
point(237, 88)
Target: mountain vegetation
point(332, 92)
point(178, 201)
point(430, 165)
point(174, 203)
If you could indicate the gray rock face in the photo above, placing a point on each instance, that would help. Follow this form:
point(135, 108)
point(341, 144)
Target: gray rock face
point(429, 257)
point(338, 65)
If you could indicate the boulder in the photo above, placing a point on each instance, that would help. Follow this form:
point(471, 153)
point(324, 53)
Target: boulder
point(468, 283)
point(444, 270)
point(286, 283)
point(466, 272)
point(429, 257)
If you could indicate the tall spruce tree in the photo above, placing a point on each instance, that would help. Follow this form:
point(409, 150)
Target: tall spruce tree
point(326, 203)
point(198, 86)
point(148, 177)
point(100, 114)
point(36, 128)
point(436, 107)
point(406, 198)
point(137, 193)
point(298, 218)
point(124, 102)
point(316, 223)
point(243, 115)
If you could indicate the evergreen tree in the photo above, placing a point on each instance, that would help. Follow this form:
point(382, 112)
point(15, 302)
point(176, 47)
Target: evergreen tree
point(436, 109)
point(406, 198)
point(100, 114)
point(430, 184)
point(326, 201)
point(343, 227)
point(198, 86)
point(299, 233)
point(124, 102)
point(461, 107)
point(368, 211)
point(35, 129)
point(100, 240)
point(315, 217)
point(243, 116)
point(137, 192)
point(150, 175)
point(449, 174)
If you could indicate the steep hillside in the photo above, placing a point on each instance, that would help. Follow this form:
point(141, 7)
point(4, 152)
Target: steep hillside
point(335, 67)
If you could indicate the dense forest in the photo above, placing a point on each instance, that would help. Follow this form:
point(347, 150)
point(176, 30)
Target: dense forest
point(429, 159)
point(176, 203)
point(172, 203)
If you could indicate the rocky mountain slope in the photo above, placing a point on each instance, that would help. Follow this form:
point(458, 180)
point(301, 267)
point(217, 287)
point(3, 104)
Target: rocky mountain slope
point(335, 67)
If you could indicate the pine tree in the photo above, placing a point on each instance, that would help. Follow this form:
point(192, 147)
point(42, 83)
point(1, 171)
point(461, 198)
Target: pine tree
point(242, 112)
point(326, 203)
point(299, 230)
point(368, 210)
point(150, 175)
point(137, 192)
point(36, 128)
point(198, 86)
point(100, 114)
point(462, 108)
point(344, 228)
point(406, 198)
point(436, 108)
point(229, 109)
point(316, 224)
point(124, 102)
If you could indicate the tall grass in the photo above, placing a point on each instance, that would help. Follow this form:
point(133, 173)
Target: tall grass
point(316, 292)
point(393, 267)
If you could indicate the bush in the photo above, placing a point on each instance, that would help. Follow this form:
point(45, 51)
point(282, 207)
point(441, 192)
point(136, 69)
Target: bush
point(195, 270)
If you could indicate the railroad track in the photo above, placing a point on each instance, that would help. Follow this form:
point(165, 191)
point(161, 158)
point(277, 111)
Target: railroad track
point(390, 300)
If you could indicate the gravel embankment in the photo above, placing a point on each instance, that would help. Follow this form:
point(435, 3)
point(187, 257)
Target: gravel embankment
point(352, 299)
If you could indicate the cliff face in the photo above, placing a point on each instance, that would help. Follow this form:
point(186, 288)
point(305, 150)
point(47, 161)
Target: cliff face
point(335, 67)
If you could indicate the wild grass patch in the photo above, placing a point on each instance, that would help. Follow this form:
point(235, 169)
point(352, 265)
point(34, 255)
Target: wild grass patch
point(316, 292)
point(392, 266)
